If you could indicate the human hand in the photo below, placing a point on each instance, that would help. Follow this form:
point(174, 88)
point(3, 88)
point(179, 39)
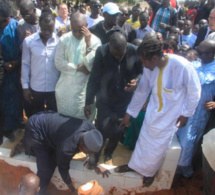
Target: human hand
point(181, 121)
point(87, 111)
point(87, 35)
point(27, 33)
point(83, 69)
point(209, 105)
point(162, 25)
point(125, 120)
point(61, 32)
point(145, 105)
point(130, 87)
point(27, 95)
point(101, 170)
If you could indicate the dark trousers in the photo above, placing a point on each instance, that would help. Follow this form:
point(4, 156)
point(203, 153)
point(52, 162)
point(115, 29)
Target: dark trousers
point(46, 164)
point(45, 157)
point(40, 99)
point(108, 125)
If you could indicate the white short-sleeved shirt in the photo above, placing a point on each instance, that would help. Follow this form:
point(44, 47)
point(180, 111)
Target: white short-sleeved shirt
point(91, 21)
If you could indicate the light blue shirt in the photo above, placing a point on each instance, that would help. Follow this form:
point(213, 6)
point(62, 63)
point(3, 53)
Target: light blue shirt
point(141, 33)
point(187, 39)
point(38, 67)
point(59, 23)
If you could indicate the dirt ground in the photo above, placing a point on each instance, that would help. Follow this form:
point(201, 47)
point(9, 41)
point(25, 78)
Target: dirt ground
point(10, 176)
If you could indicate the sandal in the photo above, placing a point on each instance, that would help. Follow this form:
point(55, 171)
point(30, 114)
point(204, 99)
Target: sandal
point(147, 181)
point(123, 169)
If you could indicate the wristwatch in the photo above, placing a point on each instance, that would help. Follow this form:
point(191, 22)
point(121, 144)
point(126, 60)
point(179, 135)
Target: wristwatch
point(89, 49)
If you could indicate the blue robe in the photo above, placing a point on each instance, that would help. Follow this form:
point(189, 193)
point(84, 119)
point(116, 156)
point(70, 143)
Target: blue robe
point(190, 134)
point(11, 93)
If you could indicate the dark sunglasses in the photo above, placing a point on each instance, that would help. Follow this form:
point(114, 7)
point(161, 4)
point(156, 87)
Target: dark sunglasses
point(97, 6)
point(76, 31)
point(124, 14)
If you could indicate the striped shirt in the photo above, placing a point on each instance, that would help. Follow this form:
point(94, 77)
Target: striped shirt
point(162, 16)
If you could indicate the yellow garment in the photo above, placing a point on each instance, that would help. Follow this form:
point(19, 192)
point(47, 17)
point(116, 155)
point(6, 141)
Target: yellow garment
point(135, 24)
point(159, 83)
point(185, 10)
point(54, 13)
point(88, 8)
point(90, 188)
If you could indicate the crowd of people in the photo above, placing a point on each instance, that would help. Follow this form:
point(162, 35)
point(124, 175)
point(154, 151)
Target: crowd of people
point(84, 75)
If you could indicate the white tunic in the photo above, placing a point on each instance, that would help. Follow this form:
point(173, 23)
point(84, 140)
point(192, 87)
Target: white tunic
point(71, 87)
point(175, 90)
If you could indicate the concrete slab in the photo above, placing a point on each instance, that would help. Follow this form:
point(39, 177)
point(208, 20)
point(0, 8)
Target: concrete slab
point(117, 183)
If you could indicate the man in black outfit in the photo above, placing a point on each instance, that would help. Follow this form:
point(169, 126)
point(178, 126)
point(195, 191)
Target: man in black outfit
point(104, 29)
point(203, 10)
point(115, 74)
point(125, 26)
point(54, 139)
point(207, 29)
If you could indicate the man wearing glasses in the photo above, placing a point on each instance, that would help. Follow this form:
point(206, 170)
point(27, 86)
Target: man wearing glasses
point(95, 17)
point(206, 30)
point(126, 27)
point(62, 21)
point(104, 29)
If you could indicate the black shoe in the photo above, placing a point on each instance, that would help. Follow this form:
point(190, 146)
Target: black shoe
point(107, 157)
point(10, 135)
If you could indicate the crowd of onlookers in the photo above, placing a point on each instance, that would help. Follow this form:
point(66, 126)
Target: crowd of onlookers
point(81, 60)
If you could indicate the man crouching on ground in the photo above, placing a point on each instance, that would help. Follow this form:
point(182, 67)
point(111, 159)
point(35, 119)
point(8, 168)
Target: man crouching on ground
point(54, 139)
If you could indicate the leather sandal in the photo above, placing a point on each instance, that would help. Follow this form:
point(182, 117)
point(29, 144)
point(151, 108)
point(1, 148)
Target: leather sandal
point(123, 169)
point(147, 181)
